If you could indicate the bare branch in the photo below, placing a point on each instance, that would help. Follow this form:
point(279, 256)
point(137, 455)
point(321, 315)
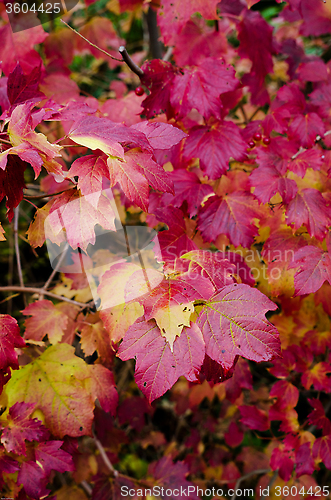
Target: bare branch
point(247, 476)
point(132, 65)
point(104, 456)
point(41, 291)
point(56, 268)
point(168, 54)
point(90, 43)
point(17, 251)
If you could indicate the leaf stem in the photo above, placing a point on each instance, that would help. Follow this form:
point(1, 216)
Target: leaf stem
point(247, 476)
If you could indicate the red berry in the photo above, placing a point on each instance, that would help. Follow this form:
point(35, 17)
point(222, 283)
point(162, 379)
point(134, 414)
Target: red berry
point(251, 144)
point(139, 91)
point(266, 140)
point(257, 136)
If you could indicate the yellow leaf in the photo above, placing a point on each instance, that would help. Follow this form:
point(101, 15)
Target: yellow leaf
point(172, 319)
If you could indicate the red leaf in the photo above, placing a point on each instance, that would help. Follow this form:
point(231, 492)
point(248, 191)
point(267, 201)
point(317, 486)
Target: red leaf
point(160, 135)
point(317, 416)
point(20, 427)
point(91, 170)
point(282, 461)
point(78, 215)
point(189, 189)
point(233, 323)
point(100, 133)
point(157, 368)
point(174, 242)
point(313, 71)
point(214, 266)
point(12, 183)
point(51, 457)
point(255, 37)
point(171, 475)
point(136, 173)
point(318, 376)
point(102, 387)
point(314, 268)
point(304, 461)
point(254, 418)
point(277, 154)
point(158, 78)
point(310, 208)
point(46, 319)
point(322, 450)
point(305, 129)
point(233, 216)
point(286, 393)
point(268, 182)
point(175, 13)
point(23, 88)
point(234, 436)
point(200, 87)
point(33, 479)
point(19, 47)
point(9, 339)
point(310, 158)
point(214, 146)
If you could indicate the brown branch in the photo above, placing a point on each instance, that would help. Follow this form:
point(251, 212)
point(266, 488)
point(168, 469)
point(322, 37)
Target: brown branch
point(247, 476)
point(155, 45)
point(41, 291)
point(132, 65)
point(84, 484)
point(41, 196)
point(17, 252)
point(104, 457)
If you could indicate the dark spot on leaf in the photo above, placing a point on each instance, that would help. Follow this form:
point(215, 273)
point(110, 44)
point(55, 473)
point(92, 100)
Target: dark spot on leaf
point(40, 380)
point(223, 351)
point(145, 383)
point(81, 428)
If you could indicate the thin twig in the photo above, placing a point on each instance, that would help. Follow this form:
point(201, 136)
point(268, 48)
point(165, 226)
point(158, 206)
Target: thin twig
point(93, 45)
point(17, 252)
point(40, 291)
point(84, 484)
point(41, 196)
point(247, 476)
point(56, 268)
point(104, 456)
point(132, 65)
point(271, 482)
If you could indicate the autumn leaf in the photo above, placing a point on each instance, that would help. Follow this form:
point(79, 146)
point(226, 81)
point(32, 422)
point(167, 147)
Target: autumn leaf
point(214, 145)
point(55, 383)
point(47, 319)
point(20, 427)
point(314, 268)
point(9, 339)
point(157, 367)
point(233, 215)
point(233, 323)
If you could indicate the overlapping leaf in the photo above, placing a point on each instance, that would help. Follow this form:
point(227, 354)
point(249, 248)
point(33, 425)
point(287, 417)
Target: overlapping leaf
point(233, 323)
